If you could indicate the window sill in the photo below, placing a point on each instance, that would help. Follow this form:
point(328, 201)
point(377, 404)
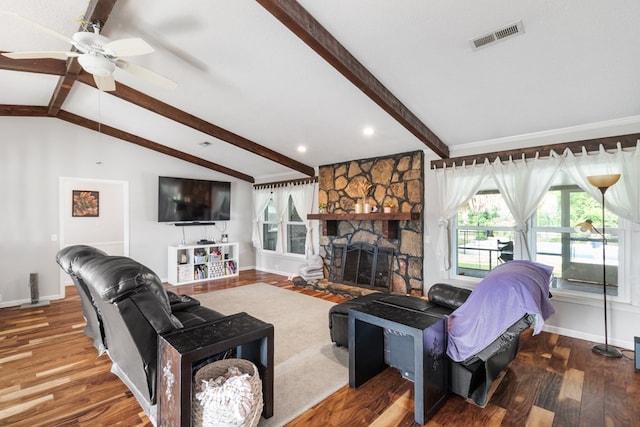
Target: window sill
point(284, 254)
point(563, 295)
point(586, 298)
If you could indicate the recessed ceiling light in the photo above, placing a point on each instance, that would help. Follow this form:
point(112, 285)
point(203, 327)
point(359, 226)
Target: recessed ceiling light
point(368, 131)
point(302, 148)
point(205, 143)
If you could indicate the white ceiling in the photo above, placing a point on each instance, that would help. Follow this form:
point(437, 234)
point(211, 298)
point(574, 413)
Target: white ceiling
point(238, 67)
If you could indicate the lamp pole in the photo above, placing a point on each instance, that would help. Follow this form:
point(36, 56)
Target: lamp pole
point(603, 182)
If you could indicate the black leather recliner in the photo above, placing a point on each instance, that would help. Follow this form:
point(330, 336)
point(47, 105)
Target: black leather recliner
point(472, 378)
point(68, 259)
point(133, 309)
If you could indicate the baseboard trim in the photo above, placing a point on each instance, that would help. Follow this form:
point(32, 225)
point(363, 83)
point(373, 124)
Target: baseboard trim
point(27, 301)
point(588, 337)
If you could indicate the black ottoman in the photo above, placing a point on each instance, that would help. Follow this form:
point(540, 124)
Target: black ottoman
point(339, 317)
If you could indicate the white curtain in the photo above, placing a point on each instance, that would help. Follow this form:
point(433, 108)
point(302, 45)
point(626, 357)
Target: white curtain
point(281, 198)
point(260, 201)
point(522, 185)
point(623, 198)
point(456, 185)
point(303, 198)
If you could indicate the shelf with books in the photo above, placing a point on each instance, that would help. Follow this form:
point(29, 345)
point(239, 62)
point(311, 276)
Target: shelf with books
point(197, 263)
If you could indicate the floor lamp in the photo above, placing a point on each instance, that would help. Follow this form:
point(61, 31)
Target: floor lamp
point(603, 182)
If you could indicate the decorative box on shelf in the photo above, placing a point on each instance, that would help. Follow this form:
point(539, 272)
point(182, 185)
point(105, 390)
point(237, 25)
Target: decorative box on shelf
point(185, 273)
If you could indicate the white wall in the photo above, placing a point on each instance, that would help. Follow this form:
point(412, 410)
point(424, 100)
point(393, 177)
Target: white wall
point(36, 152)
point(577, 317)
point(108, 229)
point(286, 265)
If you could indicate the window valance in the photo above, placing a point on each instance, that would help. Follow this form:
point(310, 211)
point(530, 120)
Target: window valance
point(523, 183)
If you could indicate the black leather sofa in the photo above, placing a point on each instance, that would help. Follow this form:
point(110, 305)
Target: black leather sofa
point(471, 378)
point(127, 308)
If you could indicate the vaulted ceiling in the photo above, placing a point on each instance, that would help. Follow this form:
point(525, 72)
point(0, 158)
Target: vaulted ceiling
point(258, 79)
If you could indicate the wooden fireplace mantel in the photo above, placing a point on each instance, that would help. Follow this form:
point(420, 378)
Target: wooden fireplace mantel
point(389, 221)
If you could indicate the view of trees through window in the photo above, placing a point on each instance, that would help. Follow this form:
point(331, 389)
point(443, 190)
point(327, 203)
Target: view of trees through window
point(581, 206)
point(485, 232)
point(296, 231)
point(575, 256)
point(270, 227)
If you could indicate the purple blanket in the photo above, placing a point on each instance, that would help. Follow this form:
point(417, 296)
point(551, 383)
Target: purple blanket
point(506, 294)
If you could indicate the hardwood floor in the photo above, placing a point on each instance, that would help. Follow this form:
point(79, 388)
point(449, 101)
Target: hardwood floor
point(50, 375)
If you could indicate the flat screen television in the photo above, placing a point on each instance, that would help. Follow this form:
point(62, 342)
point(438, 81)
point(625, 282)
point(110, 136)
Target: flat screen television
point(193, 200)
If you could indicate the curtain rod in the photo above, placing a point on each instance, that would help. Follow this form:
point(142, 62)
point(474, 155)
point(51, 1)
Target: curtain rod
point(609, 143)
point(300, 181)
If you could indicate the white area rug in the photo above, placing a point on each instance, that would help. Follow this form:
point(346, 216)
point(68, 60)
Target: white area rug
point(308, 366)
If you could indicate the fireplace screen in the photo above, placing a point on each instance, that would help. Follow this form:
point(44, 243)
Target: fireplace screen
point(361, 264)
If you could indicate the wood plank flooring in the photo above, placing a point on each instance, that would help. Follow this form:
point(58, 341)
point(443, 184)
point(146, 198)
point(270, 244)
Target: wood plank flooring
point(50, 375)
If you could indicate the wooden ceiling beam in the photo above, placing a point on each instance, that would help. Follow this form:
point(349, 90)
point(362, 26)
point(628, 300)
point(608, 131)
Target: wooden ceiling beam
point(151, 145)
point(609, 143)
point(100, 11)
point(65, 83)
point(7, 110)
point(71, 71)
point(145, 101)
point(41, 66)
point(305, 26)
point(58, 67)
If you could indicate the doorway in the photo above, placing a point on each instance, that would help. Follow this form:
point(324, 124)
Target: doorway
point(100, 217)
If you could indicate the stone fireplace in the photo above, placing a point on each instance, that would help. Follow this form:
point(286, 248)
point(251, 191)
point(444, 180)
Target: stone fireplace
point(395, 180)
point(363, 265)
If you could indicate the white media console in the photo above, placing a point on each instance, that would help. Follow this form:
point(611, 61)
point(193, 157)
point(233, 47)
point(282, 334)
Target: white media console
point(198, 263)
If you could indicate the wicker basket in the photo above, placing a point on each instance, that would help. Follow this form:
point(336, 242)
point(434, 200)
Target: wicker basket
point(208, 415)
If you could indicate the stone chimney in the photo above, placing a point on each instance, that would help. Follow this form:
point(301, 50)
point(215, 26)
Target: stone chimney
point(396, 180)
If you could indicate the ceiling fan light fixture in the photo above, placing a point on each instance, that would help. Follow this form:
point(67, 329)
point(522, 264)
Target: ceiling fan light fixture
point(96, 65)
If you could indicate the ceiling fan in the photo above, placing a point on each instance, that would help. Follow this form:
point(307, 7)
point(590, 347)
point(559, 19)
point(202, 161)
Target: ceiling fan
point(97, 54)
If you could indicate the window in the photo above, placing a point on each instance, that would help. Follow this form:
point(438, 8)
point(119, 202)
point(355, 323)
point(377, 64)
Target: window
point(270, 227)
point(484, 232)
point(295, 229)
point(576, 258)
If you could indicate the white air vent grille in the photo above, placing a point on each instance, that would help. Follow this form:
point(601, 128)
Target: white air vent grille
point(498, 35)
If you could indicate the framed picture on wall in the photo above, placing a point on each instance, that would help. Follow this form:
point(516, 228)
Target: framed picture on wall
point(85, 203)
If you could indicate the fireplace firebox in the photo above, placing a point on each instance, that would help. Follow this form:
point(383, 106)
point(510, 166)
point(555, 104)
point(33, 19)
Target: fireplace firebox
point(362, 264)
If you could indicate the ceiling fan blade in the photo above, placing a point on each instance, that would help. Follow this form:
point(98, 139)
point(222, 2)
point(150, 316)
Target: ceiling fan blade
point(129, 47)
point(146, 74)
point(39, 26)
point(105, 83)
point(39, 55)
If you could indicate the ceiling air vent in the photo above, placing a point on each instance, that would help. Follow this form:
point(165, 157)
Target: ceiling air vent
point(497, 35)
